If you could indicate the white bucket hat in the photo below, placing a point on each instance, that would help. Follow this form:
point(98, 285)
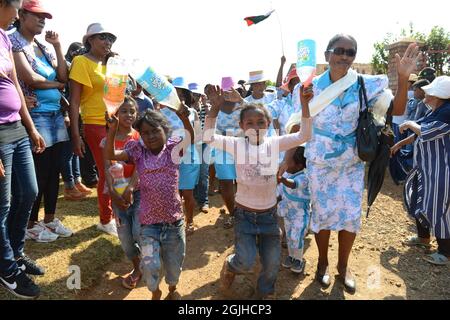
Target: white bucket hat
point(439, 88)
point(257, 77)
point(96, 28)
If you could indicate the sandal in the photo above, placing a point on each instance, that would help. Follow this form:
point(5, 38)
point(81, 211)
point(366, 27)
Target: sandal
point(131, 282)
point(437, 259)
point(229, 223)
point(415, 241)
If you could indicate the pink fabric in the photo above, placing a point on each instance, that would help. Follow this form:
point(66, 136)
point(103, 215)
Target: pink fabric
point(158, 182)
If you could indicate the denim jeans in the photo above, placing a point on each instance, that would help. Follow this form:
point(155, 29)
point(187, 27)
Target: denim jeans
point(51, 127)
point(129, 228)
point(201, 190)
point(18, 190)
point(257, 232)
point(163, 250)
point(70, 167)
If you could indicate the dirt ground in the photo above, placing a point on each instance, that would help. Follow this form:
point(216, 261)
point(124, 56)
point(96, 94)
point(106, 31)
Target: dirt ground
point(384, 268)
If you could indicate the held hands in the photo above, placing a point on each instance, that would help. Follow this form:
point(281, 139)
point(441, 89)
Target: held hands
point(283, 60)
point(408, 63)
point(52, 38)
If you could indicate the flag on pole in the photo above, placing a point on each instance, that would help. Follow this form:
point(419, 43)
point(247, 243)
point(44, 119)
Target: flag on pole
point(257, 19)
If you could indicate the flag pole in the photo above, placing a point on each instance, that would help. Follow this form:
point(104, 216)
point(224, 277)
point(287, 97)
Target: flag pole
point(281, 29)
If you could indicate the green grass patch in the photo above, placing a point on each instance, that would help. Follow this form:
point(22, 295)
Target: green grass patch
point(89, 249)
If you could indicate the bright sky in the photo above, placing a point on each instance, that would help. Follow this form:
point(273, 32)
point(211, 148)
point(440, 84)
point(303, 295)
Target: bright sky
point(204, 40)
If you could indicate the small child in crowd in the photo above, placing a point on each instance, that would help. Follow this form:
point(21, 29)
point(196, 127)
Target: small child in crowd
point(156, 157)
point(257, 157)
point(295, 209)
point(126, 199)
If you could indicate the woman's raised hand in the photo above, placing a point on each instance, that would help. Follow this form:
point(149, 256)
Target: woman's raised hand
point(52, 38)
point(408, 63)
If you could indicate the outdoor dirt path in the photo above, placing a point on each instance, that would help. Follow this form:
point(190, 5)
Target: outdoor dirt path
point(384, 268)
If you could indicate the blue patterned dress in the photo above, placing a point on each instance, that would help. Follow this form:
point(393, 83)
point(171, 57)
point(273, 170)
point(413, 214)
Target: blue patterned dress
point(227, 125)
point(335, 172)
point(295, 209)
point(190, 163)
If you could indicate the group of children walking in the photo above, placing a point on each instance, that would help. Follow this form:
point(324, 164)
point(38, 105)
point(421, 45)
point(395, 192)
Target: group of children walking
point(149, 212)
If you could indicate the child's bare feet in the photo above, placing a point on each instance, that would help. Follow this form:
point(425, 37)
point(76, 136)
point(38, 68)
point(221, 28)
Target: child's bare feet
point(156, 295)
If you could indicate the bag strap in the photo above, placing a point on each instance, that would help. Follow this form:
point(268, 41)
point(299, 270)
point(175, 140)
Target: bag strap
point(362, 94)
point(389, 116)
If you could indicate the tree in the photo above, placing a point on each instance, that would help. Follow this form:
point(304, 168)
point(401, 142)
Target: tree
point(380, 58)
point(436, 47)
point(437, 50)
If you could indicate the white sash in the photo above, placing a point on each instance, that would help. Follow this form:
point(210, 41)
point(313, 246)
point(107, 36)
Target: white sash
point(320, 102)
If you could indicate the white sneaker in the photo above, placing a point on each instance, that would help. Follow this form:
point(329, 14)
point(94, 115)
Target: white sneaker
point(110, 228)
point(40, 233)
point(58, 228)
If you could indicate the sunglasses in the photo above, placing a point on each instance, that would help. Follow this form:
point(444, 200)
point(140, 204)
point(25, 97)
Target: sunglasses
point(341, 51)
point(107, 36)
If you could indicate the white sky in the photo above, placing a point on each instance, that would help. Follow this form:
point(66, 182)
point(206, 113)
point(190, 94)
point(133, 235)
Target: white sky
point(204, 40)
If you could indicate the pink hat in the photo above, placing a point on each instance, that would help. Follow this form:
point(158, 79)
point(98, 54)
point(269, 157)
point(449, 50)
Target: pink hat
point(35, 6)
point(291, 75)
point(228, 83)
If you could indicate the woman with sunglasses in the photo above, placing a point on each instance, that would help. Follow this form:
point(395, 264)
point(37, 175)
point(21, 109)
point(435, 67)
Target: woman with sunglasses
point(42, 76)
point(87, 80)
point(335, 172)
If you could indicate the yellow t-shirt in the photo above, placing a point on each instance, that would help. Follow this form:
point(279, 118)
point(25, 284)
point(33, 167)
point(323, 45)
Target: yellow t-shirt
point(92, 76)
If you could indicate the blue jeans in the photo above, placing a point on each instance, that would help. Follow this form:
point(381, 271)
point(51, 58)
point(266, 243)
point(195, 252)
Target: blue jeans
point(257, 232)
point(70, 167)
point(201, 190)
point(18, 191)
point(163, 250)
point(51, 127)
point(129, 229)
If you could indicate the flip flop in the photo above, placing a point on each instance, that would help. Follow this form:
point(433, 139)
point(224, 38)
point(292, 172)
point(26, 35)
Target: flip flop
point(437, 259)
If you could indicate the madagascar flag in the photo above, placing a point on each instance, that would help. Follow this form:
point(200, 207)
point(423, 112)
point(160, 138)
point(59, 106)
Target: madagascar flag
point(257, 19)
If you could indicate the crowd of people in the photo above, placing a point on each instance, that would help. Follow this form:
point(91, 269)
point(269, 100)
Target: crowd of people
point(285, 158)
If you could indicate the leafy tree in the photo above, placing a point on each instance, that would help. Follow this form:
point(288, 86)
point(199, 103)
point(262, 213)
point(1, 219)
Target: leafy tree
point(436, 49)
point(380, 58)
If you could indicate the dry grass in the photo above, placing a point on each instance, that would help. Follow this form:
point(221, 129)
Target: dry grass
point(90, 249)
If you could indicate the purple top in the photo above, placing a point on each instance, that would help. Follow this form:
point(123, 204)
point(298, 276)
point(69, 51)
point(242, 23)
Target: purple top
point(10, 103)
point(158, 182)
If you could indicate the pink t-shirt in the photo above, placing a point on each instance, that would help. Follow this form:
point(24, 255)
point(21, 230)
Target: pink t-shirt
point(10, 103)
point(158, 182)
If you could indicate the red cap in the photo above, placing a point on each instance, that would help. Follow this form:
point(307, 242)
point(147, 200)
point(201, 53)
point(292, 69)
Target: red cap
point(292, 75)
point(35, 6)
